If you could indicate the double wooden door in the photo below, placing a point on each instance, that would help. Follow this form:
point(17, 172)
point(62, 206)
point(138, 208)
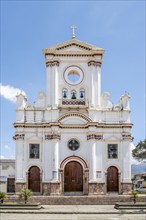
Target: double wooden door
point(73, 177)
point(112, 179)
point(34, 179)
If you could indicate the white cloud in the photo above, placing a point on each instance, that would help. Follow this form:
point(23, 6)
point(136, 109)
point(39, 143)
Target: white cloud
point(2, 157)
point(7, 147)
point(9, 92)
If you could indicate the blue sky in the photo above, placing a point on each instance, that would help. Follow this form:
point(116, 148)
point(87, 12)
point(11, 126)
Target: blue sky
point(29, 26)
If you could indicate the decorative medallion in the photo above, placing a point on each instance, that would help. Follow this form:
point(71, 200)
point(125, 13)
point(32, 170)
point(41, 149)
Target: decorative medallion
point(73, 145)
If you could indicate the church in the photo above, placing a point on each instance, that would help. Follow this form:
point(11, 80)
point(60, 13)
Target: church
point(73, 140)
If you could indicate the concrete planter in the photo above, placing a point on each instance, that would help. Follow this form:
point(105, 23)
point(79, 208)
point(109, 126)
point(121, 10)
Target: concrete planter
point(130, 205)
point(28, 206)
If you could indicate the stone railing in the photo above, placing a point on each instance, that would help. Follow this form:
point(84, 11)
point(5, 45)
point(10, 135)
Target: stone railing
point(73, 102)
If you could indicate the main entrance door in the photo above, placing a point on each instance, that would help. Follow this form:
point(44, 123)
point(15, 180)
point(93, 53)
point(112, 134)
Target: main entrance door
point(34, 179)
point(73, 177)
point(112, 179)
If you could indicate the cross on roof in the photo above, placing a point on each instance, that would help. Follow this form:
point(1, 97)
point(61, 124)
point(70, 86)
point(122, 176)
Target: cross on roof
point(73, 27)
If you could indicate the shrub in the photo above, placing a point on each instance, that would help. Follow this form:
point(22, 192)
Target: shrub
point(25, 194)
point(3, 196)
point(134, 195)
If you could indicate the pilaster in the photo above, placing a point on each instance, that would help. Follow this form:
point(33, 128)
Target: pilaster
point(92, 156)
point(95, 83)
point(52, 83)
point(19, 164)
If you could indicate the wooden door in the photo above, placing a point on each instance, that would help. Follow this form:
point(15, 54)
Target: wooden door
point(10, 185)
point(112, 179)
point(34, 179)
point(73, 177)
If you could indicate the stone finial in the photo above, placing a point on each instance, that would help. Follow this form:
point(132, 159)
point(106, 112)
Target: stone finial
point(21, 101)
point(125, 101)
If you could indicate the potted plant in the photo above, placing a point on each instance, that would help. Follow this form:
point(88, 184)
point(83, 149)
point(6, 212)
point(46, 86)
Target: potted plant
point(3, 196)
point(25, 194)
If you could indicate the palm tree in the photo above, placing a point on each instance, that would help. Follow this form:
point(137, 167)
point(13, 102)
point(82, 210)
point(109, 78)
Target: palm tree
point(25, 194)
point(134, 195)
point(3, 196)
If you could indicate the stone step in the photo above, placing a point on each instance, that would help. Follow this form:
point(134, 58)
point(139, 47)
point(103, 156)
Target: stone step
point(80, 200)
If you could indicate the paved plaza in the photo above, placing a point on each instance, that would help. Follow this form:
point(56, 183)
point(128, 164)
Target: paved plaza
point(72, 216)
point(73, 212)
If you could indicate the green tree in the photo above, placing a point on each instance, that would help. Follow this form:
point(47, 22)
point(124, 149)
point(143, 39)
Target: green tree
point(3, 196)
point(25, 194)
point(139, 153)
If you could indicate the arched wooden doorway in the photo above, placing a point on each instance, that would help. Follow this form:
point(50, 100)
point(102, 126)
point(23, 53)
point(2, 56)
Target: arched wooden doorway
point(34, 179)
point(112, 179)
point(73, 177)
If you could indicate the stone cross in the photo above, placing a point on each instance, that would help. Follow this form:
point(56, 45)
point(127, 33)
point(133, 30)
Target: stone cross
point(73, 27)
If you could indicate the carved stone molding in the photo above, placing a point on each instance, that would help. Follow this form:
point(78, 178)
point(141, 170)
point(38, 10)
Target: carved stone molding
point(94, 63)
point(95, 137)
point(126, 137)
point(52, 63)
point(73, 102)
point(52, 136)
point(74, 114)
point(19, 137)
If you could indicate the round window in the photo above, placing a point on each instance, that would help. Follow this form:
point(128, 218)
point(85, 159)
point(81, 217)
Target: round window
point(73, 75)
point(73, 144)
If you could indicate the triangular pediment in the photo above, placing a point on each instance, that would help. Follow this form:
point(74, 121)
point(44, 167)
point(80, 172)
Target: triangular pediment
point(112, 138)
point(73, 45)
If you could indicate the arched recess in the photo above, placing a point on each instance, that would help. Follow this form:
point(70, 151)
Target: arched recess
point(83, 117)
point(71, 179)
point(112, 179)
point(34, 179)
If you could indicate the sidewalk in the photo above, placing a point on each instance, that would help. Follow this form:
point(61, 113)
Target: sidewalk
point(76, 209)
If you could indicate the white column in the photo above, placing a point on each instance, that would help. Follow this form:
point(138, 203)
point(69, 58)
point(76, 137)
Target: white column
point(56, 86)
point(53, 86)
point(91, 86)
point(92, 156)
point(48, 86)
point(126, 158)
point(99, 159)
point(19, 161)
point(98, 84)
point(55, 144)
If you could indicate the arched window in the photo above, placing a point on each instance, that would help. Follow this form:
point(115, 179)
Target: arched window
point(82, 93)
point(73, 94)
point(64, 93)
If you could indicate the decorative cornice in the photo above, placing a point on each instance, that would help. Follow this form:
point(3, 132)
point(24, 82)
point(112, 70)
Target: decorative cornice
point(19, 137)
point(94, 63)
point(95, 136)
point(52, 136)
point(73, 42)
point(71, 126)
point(52, 63)
point(126, 137)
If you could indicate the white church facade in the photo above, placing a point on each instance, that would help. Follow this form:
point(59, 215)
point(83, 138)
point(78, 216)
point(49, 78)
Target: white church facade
point(73, 140)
